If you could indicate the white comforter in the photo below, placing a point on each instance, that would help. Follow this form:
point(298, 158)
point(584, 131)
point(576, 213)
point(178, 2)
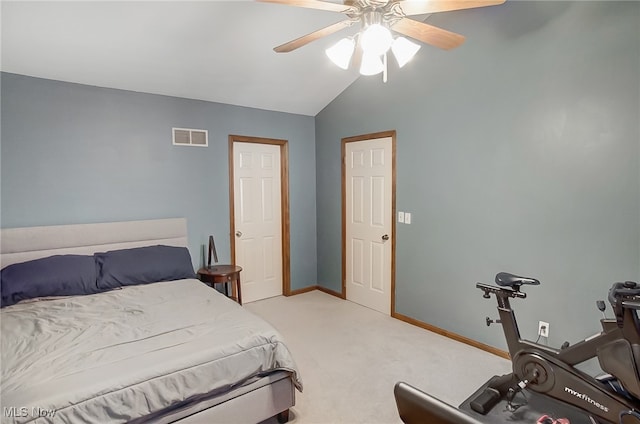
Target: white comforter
point(116, 356)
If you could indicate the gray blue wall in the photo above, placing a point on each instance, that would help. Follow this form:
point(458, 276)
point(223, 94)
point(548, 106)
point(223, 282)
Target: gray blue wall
point(518, 151)
point(74, 153)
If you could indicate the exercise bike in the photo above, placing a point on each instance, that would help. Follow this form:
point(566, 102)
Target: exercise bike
point(552, 372)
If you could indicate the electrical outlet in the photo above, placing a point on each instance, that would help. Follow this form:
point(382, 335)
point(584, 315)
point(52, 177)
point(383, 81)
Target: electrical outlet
point(543, 329)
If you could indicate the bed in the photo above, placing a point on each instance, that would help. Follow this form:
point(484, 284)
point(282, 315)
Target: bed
point(163, 351)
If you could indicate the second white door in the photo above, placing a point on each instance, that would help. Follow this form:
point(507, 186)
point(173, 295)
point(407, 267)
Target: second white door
point(369, 222)
point(257, 216)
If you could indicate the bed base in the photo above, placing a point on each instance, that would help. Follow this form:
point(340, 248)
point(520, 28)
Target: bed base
point(271, 396)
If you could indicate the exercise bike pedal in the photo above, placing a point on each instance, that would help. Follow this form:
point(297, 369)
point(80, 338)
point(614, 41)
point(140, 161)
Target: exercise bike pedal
point(485, 401)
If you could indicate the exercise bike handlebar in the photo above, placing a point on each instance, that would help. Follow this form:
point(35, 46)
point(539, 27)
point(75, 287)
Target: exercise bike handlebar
point(624, 292)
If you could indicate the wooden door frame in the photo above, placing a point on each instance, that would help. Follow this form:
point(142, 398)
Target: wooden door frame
point(284, 203)
point(365, 137)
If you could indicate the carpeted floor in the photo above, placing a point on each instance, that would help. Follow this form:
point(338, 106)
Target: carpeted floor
point(350, 357)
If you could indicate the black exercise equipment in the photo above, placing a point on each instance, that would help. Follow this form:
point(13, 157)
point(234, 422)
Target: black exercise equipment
point(552, 372)
point(418, 407)
point(547, 374)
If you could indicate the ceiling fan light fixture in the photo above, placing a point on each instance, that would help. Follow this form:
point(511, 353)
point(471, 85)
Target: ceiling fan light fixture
point(341, 52)
point(371, 64)
point(377, 17)
point(376, 40)
point(404, 50)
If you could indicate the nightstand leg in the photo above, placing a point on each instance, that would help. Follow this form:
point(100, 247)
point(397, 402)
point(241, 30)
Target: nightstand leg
point(238, 287)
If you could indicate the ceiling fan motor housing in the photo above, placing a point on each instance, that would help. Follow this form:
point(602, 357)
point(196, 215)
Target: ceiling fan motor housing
point(379, 12)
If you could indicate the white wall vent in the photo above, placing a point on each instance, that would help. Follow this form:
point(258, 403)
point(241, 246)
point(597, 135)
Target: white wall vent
point(190, 137)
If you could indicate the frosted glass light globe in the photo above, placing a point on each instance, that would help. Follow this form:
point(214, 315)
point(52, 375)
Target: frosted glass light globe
point(371, 65)
point(341, 52)
point(376, 40)
point(404, 50)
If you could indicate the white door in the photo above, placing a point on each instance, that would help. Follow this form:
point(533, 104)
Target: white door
point(369, 222)
point(258, 226)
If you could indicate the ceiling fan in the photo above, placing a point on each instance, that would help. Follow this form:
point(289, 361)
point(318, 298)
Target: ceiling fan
point(378, 18)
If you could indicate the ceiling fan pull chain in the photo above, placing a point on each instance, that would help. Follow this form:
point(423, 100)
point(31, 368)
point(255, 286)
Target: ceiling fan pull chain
point(384, 72)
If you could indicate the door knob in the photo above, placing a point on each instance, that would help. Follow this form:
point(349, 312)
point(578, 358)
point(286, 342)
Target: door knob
point(385, 237)
point(238, 233)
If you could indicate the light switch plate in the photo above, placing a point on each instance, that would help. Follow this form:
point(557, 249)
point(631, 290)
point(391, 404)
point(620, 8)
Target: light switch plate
point(401, 217)
point(407, 218)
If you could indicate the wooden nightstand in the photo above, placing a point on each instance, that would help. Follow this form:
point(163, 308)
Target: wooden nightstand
point(223, 274)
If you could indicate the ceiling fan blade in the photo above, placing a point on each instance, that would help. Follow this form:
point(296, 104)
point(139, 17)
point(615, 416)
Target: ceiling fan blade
point(306, 39)
point(428, 34)
point(311, 4)
point(418, 7)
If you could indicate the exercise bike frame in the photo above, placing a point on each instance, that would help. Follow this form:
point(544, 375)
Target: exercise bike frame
point(551, 371)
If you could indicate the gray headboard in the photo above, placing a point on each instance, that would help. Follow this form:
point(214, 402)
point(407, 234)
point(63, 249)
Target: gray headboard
point(24, 244)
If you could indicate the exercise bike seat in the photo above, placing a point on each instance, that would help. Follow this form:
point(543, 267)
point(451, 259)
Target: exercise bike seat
point(506, 279)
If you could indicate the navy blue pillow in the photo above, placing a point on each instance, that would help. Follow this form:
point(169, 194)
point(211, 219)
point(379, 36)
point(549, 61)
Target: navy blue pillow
point(59, 275)
point(143, 265)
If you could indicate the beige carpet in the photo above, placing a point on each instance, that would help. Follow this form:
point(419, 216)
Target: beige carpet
point(350, 357)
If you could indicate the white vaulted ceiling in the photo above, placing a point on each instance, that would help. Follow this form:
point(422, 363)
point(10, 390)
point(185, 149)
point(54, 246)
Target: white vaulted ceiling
point(220, 51)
